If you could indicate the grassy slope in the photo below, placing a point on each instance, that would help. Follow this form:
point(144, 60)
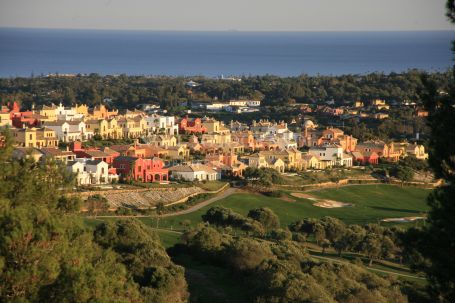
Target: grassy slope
point(371, 203)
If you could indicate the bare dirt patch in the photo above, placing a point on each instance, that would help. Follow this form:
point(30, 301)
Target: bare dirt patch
point(287, 199)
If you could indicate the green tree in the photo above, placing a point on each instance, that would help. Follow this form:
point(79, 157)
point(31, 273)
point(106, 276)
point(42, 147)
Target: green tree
point(404, 174)
point(247, 254)
point(266, 217)
point(140, 250)
point(435, 243)
point(372, 247)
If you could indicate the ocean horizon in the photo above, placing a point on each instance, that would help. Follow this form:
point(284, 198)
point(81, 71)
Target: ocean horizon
point(26, 52)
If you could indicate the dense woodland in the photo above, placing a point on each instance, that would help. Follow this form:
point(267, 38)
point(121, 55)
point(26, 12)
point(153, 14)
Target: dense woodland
point(47, 254)
point(130, 91)
point(276, 267)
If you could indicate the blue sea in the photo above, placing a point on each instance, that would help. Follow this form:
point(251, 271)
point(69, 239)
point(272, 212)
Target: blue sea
point(24, 52)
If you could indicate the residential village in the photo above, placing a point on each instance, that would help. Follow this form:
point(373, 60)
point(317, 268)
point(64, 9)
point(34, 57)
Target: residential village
point(164, 148)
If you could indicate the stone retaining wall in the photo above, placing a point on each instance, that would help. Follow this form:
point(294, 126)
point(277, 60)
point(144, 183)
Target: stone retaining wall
point(147, 198)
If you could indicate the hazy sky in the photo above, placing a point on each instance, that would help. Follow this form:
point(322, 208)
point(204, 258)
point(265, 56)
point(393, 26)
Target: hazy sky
point(298, 15)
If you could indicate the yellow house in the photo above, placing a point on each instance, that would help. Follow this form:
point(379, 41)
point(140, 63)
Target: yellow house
point(358, 104)
point(98, 127)
point(216, 138)
point(81, 109)
point(35, 137)
point(214, 126)
point(277, 165)
point(101, 112)
point(178, 152)
point(5, 119)
point(233, 147)
point(256, 161)
point(48, 113)
point(114, 129)
point(134, 113)
point(162, 140)
point(261, 161)
point(292, 158)
point(417, 150)
point(133, 127)
point(380, 104)
point(380, 116)
point(311, 162)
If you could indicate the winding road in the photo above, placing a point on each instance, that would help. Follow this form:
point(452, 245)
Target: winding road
point(198, 206)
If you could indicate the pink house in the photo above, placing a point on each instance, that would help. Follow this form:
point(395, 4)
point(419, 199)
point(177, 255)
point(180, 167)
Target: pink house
point(140, 169)
point(366, 158)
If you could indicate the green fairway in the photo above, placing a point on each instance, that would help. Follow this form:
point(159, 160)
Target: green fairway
point(168, 238)
point(371, 203)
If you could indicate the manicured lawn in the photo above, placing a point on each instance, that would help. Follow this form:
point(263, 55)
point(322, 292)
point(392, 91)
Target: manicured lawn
point(371, 203)
point(376, 201)
point(168, 238)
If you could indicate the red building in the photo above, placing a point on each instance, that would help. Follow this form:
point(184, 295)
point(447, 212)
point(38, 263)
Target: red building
point(11, 108)
point(20, 119)
point(107, 155)
point(365, 158)
point(192, 125)
point(140, 169)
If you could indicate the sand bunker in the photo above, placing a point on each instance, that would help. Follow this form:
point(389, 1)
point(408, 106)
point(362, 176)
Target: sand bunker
point(403, 220)
point(321, 202)
point(331, 204)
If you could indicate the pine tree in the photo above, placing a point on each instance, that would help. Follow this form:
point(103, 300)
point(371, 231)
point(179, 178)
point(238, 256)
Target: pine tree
point(436, 242)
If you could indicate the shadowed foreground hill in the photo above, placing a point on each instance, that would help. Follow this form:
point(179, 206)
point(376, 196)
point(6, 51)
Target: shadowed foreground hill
point(47, 255)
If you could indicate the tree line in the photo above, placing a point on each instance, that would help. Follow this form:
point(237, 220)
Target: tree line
point(130, 91)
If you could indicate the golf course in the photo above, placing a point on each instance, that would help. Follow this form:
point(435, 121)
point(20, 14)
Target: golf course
point(364, 204)
point(368, 204)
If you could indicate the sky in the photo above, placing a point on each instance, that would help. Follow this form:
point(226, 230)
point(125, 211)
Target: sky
point(220, 15)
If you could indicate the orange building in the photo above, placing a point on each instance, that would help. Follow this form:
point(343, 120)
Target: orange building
point(192, 125)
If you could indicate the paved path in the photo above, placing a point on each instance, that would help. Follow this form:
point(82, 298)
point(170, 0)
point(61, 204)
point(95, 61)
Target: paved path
point(198, 206)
